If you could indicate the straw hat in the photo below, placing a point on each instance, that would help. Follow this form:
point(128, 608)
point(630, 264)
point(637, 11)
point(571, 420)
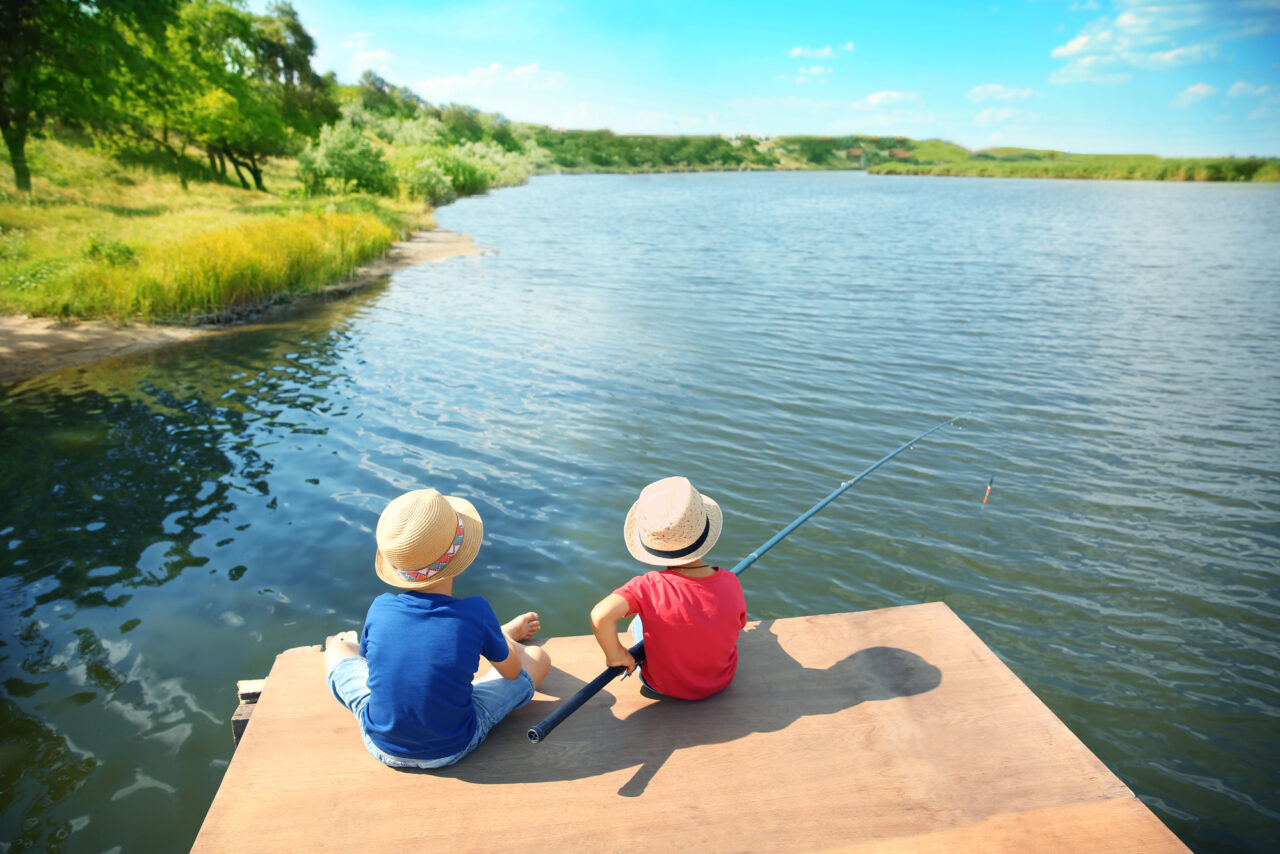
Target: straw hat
point(425, 537)
point(672, 523)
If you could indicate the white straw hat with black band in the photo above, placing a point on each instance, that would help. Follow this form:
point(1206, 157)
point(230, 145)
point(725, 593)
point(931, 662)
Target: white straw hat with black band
point(672, 523)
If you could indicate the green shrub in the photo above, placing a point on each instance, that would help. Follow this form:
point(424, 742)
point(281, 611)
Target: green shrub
point(421, 131)
point(426, 181)
point(346, 156)
point(114, 252)
point(468, 177)
point(505, 168)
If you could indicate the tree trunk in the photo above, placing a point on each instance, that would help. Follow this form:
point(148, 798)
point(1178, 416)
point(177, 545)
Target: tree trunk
point(179, 159)
point(15, 137)
point(236, 165)
point(256, 171)
point(213, 165)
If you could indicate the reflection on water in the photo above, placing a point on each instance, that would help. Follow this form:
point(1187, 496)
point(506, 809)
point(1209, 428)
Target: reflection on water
point(175, 519)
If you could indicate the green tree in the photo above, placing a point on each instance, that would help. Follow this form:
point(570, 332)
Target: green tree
point(463, 123)
point(61, 60)
point(384, 99)
point(238, 85)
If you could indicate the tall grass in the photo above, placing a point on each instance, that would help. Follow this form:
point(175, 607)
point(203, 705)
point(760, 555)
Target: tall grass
point(98, 238)
point(204, 275)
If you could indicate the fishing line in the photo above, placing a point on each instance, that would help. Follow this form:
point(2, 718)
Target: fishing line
point(541, 730)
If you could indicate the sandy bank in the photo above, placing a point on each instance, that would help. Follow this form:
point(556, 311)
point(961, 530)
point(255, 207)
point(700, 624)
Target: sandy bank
point(33, 345)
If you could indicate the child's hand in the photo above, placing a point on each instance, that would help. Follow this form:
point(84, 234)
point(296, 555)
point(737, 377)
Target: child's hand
point(625, 659)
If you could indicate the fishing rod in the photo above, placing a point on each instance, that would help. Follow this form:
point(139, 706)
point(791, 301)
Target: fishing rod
point(541, 730)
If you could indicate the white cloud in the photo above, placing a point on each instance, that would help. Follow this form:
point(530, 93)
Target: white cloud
point(493, 77)
point(847, 47)
point(1242, 88)
point(533, 76)
point(1079, 44)
point(1193, 93)
point(998, 92)
point(992, 115)
point(884, 99)
point(364, 58)
point(1087, 6)
point(1090, 69)
point(1133, 22)
point(817, 69)
point(1178, 56)
point(371, 60)
point(815, 52)
point(1153, 35)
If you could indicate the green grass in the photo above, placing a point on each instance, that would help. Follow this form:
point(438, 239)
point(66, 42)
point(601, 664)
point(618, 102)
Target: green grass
point(939, 151)
point(941, 158)
point(98, 238)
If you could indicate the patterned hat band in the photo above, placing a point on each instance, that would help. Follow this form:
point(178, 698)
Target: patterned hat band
point(416, 575)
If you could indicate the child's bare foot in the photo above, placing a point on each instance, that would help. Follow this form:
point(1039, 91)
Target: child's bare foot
point(522, 627)
point(340, 646)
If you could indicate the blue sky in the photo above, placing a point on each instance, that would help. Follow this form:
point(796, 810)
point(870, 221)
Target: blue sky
point(1167, 77)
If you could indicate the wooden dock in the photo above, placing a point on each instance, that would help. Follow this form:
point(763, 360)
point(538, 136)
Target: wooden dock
point(883, 731)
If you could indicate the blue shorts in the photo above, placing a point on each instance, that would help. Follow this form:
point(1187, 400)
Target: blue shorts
point(492, 696)
point(637, 634)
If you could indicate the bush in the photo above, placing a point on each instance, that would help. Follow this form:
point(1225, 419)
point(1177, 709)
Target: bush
point(421, 131)
point(113, 252)
point(505, 168)
point(345, 155)
point(427, 182)
point(468, 177)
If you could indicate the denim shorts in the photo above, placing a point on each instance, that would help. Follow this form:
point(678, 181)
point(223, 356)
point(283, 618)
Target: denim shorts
point(637, 635)
point(492, 696)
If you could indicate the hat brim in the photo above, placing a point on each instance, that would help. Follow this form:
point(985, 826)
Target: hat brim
point(631, 537)
point(472, 535)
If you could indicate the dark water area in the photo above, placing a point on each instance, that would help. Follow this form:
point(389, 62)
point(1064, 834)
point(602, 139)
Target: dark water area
point(173, 520)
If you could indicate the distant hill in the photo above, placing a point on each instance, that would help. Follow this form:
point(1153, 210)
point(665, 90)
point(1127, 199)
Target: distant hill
point(934, 157)
point(605, 151)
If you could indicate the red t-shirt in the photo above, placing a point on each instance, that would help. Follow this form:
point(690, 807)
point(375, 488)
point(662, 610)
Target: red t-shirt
point(691, 628)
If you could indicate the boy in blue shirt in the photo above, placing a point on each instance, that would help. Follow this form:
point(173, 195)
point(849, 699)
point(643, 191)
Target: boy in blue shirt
point(409, 680)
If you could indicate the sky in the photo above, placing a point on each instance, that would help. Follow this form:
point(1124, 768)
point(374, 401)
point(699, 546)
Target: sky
point(1174, 78)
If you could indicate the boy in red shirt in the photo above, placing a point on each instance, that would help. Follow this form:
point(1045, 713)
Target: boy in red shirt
point(689, 614)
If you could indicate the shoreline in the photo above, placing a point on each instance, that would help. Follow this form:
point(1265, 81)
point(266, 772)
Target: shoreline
point(36, 345)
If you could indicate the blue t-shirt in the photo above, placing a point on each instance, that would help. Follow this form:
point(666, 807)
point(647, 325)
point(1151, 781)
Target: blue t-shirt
point(423, 650)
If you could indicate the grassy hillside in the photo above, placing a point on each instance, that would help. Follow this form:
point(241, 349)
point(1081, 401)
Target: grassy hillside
point(99, 238)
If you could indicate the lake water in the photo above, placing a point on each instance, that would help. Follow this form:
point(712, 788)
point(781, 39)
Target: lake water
point(173, 520)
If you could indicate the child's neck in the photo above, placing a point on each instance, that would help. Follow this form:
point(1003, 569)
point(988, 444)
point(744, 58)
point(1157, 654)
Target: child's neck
point(444, 588)
point(697, 569)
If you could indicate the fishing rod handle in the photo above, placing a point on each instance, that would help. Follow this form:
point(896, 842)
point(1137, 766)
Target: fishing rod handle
point(543, 728)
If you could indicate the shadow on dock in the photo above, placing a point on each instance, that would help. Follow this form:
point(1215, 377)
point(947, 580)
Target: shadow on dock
point(770, 692)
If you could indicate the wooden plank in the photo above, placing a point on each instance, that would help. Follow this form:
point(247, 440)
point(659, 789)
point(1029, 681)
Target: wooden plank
point(249, 690)
point(841, 732)
point(240, 721)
